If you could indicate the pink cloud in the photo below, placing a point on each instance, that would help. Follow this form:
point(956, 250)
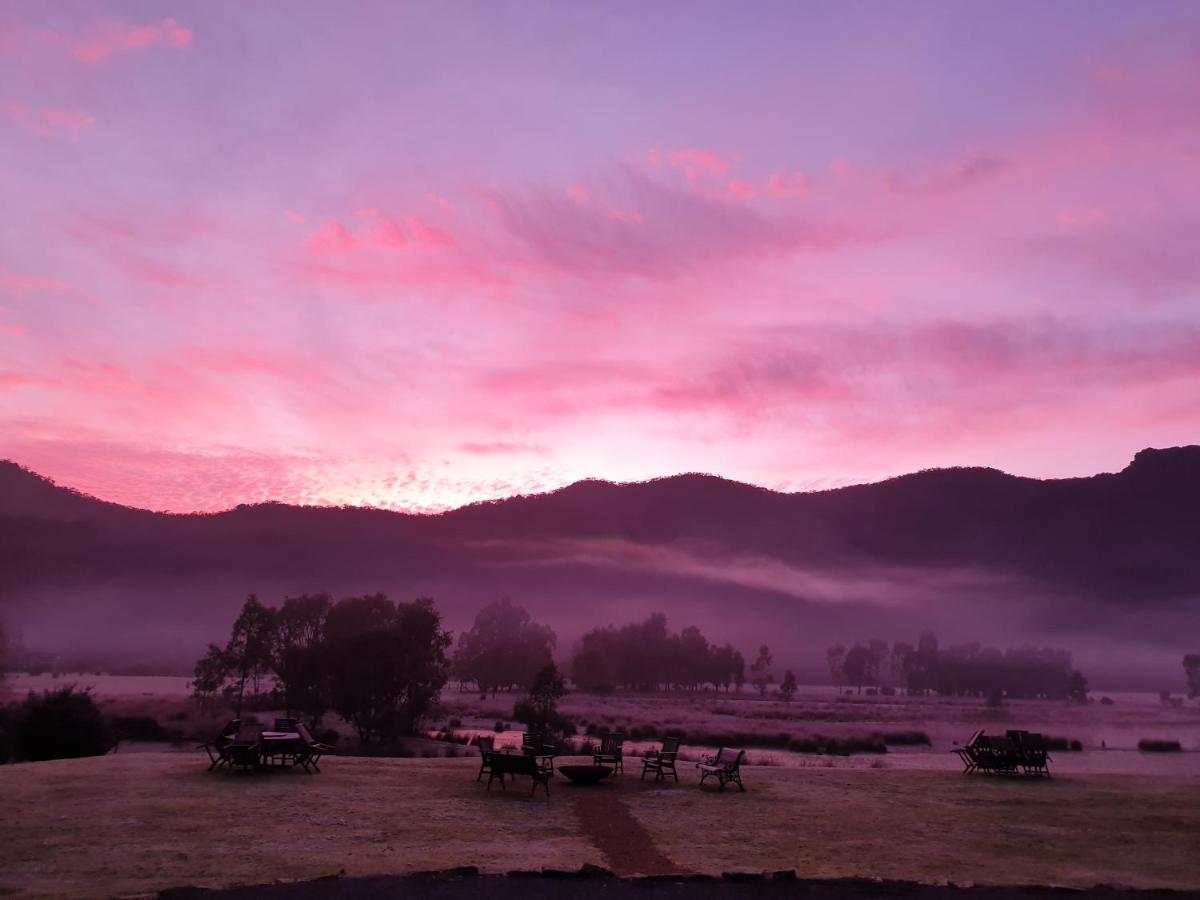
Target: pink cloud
point(331, 238)
point(787, 184)
point(427, 234)
point(578, 192)
point(21, 283)
point(696, 164)
point(294, 217)
point(378, 232)
point(49, 122)
point(742, 189)
point(113, 38)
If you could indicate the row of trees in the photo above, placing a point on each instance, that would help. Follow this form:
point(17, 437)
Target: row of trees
point(647, 656)
point(962, 670)
point(379, 665)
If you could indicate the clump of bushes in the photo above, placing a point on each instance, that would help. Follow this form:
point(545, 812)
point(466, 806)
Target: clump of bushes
point(138, 728)
point(59, 724)
point(1152, 745)
point(905, 738)
point(500, 727)
point(1062, 743)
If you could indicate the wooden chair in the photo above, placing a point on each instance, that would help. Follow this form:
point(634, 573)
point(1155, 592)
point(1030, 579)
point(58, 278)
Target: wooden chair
point(662, 762)
point(311, 750)
point(966, 753)
point(611, 752)
point(726, 766)
point(487, 746)
point(217, 749)
point(245, 751)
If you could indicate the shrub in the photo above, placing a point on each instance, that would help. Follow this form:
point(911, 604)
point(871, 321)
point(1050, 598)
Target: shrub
point(500, 727)
point(905, 738)
point(61, 724)
point(1152, 745)
point(1062, 743)
point(1106, 701)
point(456, 723)
point(138, 728)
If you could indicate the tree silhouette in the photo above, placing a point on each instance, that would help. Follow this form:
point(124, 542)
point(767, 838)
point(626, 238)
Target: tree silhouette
point(761, 675)
point(1191, 671)
point(787, 689)
point(250, 647)
point(504, 648)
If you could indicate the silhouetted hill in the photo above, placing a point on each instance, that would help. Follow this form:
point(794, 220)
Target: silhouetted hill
point(1078, 553)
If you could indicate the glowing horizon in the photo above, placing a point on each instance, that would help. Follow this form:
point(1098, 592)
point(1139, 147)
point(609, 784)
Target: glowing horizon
point(417, 258)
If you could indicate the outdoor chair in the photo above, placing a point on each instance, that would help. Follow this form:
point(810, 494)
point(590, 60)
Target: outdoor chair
point(662, 762)
point(245, 751)
point(285, 725)
point(311, 750)
point(611, 752)
point(487, 746)
point(967, 753)
point(726, 766)
point(1032, 751)
point(217, 748)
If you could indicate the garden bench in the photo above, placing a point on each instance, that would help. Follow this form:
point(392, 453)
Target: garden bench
point(611, 752)
point(538, 768)
point(726, 766)
point(662, 762)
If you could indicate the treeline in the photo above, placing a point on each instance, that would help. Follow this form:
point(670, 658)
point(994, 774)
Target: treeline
point(961, 670)
point(646, 656)
point(379, 665)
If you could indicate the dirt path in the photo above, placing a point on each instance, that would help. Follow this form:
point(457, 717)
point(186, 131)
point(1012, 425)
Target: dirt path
point(606, 821)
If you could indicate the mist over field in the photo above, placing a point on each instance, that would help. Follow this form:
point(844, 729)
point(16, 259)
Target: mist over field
point(1104, 567)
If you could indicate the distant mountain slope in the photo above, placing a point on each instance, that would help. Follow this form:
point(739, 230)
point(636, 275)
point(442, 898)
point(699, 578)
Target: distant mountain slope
point(686, 544)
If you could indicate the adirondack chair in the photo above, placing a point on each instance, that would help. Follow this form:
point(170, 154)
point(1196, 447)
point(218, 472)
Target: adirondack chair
point(611, 752)
point(726, 766)
point(662, 762)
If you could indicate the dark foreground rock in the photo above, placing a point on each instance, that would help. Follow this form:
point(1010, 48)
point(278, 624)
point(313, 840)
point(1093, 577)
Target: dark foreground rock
point(594, 883)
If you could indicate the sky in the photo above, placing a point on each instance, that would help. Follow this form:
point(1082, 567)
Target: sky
point(417, 255)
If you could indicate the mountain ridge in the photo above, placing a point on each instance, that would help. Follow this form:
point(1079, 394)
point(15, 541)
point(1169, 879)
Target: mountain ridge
point(1110, 558)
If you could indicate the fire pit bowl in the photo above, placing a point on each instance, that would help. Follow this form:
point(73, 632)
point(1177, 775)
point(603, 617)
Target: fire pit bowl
point(586, 774)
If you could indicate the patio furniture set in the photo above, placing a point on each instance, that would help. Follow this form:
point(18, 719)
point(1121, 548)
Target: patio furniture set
point(1016, 753)
point(251, 745)
point(537, 755)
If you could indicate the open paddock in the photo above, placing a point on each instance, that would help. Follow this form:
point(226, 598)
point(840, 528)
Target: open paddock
point(133, 823)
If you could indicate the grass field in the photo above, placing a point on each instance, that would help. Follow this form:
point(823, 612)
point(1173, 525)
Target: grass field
point(136, 822)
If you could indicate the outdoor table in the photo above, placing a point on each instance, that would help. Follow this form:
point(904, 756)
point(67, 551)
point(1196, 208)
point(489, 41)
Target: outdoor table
point(281, 745)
